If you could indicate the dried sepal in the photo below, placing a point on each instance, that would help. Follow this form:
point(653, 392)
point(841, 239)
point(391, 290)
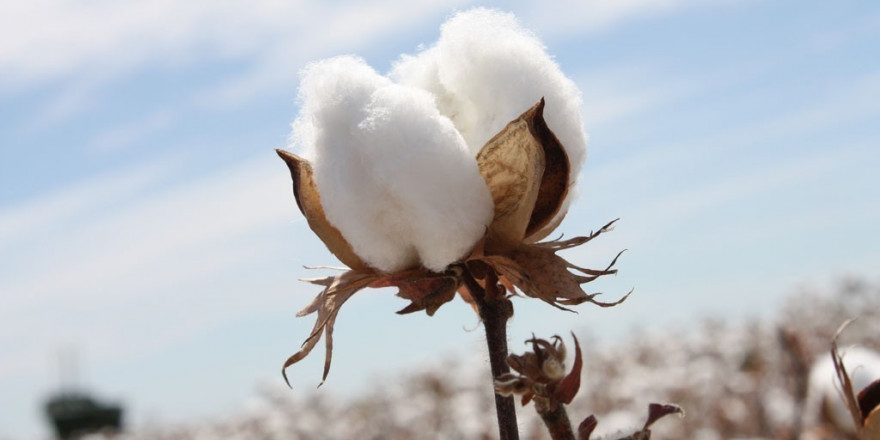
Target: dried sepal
point(309, 202)
point(846, 387)
point(657, 411)
point(337, 290)
point(586, 427)
point(570, 384)
point(425, 290)
point(539, 273)
point(512, 164)
point(526, 364)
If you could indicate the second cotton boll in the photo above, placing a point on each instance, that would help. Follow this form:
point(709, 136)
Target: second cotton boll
point(484, 70)
point(395, 176)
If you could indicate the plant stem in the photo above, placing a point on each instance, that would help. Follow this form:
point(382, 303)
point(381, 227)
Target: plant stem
point(557, 422)
point(495, 309)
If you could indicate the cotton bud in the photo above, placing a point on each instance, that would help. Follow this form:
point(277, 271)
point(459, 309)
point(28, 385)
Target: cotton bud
point(543, 371)
point(553, 369)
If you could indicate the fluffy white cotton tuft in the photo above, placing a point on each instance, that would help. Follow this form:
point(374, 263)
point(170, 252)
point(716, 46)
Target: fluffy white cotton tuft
point(863, 366)
point(485, 70)
point(395, 176)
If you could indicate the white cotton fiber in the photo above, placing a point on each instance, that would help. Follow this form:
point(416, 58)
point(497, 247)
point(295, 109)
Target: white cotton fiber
point(863, 366)
point(395, 176)
point(485, 70)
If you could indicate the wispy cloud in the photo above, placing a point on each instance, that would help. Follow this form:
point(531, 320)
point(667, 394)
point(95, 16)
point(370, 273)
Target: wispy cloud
point(615, 93)
point(92, 277)
point(20, 222)
point(118, 240)
point(125, 135)
point(578, 17)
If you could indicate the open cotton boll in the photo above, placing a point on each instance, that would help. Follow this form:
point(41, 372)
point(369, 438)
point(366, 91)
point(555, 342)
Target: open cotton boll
point(485, 70)
point(334, 94)
point(427, 168)
point(394, 175)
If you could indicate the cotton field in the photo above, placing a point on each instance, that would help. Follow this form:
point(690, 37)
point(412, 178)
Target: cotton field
point(748, 380)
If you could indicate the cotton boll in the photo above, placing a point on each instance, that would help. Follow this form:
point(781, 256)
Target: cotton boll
point(334, 94)
point(485, 70)
point(333, 91)
point(429, 171)
point(395, 177)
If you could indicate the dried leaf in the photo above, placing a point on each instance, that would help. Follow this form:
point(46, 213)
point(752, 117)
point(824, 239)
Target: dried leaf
point(570, 384)
point(512, 164)
point(554, 182)
point(425, 290)
point(657, 411)
point(309, 202)
point(586, 428)
point(338, 289)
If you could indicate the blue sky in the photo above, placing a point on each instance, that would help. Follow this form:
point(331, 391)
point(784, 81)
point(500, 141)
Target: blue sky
point(146, 222)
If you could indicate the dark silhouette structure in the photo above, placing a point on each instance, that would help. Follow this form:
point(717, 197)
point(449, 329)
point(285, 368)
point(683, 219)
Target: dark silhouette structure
point(75, 414)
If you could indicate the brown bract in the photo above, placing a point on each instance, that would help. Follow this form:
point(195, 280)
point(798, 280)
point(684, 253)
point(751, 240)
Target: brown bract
point(528, 175)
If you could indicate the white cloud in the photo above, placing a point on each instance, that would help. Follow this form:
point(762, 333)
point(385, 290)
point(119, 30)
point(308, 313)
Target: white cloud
point(47, 40)
point(50, 39)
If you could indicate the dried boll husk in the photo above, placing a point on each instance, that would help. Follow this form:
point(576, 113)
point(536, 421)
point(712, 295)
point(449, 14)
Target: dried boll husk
point(527, 172)
point(309, 202)
point(869, 404)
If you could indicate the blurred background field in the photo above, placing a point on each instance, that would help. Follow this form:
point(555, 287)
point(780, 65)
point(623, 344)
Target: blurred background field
point(147, 225)
point(761, 379)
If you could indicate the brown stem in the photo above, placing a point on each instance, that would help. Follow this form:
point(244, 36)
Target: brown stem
point(495, 309)
point(557, 422)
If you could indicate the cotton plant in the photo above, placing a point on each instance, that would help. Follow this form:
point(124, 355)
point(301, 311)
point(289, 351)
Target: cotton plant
point(442, 178)
point(539, 376)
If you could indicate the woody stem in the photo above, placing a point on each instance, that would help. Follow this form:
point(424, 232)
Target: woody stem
point(495, 309)
point(557, 422)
